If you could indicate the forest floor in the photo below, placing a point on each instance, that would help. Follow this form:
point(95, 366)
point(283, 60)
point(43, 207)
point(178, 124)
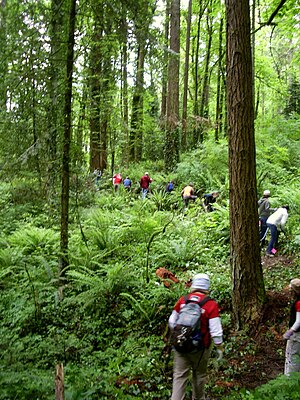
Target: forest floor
point(259, 358)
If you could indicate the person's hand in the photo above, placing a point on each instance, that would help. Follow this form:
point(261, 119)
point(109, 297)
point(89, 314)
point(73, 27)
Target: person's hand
point(288, 334)
point(219, 355)
point(220, 351)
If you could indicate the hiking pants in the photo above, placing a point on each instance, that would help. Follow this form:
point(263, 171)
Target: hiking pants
point(263, 229)
point(144, 193)
point(292, 354)
point(183, 364)
point(274, 238)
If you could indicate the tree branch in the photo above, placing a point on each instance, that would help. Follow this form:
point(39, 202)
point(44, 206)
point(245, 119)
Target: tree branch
point(272, 16)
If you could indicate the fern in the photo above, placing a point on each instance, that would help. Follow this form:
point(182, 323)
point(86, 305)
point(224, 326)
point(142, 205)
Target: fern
point(134, 303)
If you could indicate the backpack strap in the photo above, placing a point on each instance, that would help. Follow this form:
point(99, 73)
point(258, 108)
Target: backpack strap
point(201, 303)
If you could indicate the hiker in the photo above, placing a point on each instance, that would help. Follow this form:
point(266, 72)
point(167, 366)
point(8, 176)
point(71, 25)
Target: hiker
point(117, 180)
point(170, 187)
point(264, 212)
point(276, 223)
point(127, 183)
point(292, 335)
point(144, 184)
point(197, 360)
point(97, 174)
point(187, 194)
point(208, 199)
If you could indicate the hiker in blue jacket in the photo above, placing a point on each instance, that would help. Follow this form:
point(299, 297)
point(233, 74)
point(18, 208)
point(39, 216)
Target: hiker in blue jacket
point(170, 187)
point(127, 183)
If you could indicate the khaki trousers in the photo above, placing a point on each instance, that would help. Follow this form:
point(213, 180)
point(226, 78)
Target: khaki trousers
point(292, 354)
point(183, 364)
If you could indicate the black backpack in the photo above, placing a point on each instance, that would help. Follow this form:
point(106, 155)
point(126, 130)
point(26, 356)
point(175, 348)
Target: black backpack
point(186, 336)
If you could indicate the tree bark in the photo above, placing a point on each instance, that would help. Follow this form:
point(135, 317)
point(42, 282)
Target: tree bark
point(247, 277)
point(65, 184)
point(59, 382)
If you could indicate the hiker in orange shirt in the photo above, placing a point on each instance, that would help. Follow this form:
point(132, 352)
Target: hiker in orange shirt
point(187, 194)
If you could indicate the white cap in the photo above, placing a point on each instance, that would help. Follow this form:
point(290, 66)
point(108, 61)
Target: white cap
point(201, 282)
point(295, 285)
point(267, 193)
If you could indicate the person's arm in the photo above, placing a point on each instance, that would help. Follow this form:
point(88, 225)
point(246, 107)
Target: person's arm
point(293, 328)
point(216, 333)
point(283, 221)
point(173, 319)
point(296, 325)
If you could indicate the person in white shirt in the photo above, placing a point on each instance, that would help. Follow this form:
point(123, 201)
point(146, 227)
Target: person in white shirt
point(276, 223)
point(292, 335)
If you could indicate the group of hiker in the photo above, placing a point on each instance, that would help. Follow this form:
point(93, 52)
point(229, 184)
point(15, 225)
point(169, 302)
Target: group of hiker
point(195, 326)
point(272, 219)
point(187, 194)
point(195, 322)
point(208, 199)
point(127, 183)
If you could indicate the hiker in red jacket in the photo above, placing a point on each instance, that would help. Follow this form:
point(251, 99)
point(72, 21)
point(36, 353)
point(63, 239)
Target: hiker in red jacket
point(117, 180)
point(210, 330)
point(144, 183)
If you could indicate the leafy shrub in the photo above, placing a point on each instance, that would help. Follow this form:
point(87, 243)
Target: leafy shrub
point(281, 388)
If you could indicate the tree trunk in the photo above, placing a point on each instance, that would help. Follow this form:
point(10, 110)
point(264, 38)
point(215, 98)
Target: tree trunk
point(136, 129)
point(205, 88)
point(253, 52)
point(186, 78)
point(219, 75)
point(65, 185)
point(55, 120)
point(79, 154)
point(196, 76)
point(96, 72)
point(248, 286)
point(105, 111)
point(4, 63)
point(172, 128)
point(163, 111)
point(124, 89)
point(59, 382)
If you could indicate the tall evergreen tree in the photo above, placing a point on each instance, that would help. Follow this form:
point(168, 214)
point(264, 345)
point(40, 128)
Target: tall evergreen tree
point(65, 182)
point(247, 276)
point(172, 122)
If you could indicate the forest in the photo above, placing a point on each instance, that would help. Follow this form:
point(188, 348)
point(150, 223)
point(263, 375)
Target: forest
point(204, 92)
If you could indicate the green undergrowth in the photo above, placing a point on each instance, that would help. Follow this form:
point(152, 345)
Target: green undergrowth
point(108, 322)
point(281, 388)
